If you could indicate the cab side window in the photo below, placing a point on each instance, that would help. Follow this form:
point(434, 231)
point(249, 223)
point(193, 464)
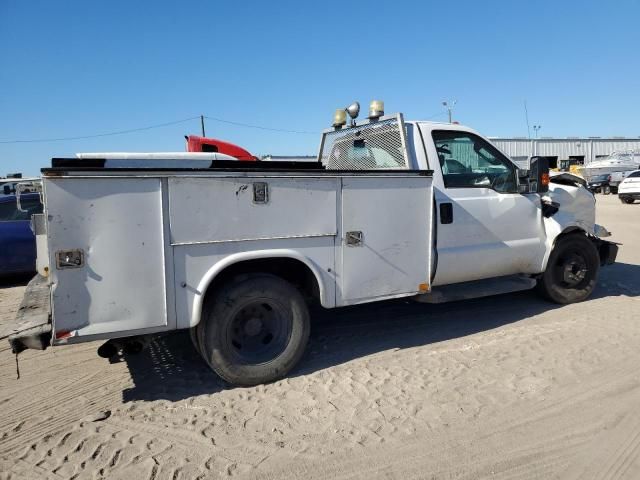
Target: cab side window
point(468, 161)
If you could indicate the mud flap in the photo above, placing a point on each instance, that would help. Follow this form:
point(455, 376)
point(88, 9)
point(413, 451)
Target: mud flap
point(33, 320)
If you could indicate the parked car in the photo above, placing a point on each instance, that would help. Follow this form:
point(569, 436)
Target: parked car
point(600, 184)
point(17, 241)
point(616, 178)
point(629, 188)
point(8, 185)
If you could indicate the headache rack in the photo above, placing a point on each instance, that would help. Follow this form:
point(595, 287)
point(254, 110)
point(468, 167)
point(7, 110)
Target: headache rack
point(375, 144)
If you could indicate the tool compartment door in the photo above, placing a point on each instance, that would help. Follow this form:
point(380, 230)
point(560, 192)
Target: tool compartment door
point(114, 227)
point(385, 245)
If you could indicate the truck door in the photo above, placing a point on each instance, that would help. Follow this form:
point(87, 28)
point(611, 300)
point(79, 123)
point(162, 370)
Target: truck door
point(484, 227)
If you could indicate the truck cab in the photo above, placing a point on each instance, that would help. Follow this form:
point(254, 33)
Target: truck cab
point(486, 227)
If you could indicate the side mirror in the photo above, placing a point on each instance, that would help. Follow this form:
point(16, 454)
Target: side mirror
point(523, 180)
point(539, 177)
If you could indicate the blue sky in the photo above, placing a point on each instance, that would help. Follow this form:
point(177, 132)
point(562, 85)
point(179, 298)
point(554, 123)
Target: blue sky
point(74, 68)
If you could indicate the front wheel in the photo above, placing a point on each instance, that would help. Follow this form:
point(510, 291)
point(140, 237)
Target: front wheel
point(572, 270)
point(254, 330)
point(627, 200)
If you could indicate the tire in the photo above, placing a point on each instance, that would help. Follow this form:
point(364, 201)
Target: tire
point(572, 270)
point(606, 190)
point(627, 200)
point(193, 334)
point(254, 330)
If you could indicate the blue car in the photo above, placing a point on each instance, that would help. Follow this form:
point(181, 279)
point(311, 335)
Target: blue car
point(17, 241)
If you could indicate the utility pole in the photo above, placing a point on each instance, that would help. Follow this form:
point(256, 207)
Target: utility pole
point(449, 106)
point(202, 124)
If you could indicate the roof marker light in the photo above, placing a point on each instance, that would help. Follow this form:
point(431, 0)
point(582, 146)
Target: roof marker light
point(339, 118)
point(376, 109)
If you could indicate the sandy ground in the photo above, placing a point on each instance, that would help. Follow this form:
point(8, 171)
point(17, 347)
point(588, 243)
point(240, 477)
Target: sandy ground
point(502, 387)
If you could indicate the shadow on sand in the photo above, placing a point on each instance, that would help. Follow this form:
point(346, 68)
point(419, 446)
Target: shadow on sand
point(171, 369)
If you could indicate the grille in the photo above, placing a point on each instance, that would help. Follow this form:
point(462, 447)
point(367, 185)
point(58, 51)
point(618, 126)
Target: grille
point(374, 146)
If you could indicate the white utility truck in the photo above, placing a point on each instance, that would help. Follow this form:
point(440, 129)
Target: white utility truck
point(235, 251)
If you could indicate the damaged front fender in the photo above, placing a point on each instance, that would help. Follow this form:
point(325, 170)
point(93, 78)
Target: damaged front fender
point(570, 207)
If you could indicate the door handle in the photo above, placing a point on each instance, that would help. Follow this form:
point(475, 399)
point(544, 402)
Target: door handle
point(446, 213)
point(354, 239)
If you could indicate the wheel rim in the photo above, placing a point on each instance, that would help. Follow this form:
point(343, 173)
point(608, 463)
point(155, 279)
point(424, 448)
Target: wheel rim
point(571, 270)
point(259, 332)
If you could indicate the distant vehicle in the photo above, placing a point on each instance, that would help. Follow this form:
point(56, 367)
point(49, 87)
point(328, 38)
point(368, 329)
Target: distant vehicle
point(629, 188)
point(213, 145)
point(17, 241)
point(620, 161)
point(616, 178)
point(8, 185)
point(571, 165)
point(600, 184)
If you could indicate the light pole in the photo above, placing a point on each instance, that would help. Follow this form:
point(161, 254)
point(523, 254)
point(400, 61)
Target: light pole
point(536, 129)
point(449, 106)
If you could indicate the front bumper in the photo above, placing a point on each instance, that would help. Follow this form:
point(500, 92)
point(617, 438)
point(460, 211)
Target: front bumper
point(634, 195)
point(33, 320)
point(608, 251)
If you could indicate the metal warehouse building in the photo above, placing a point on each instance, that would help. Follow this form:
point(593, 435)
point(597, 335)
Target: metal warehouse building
point(581, 149)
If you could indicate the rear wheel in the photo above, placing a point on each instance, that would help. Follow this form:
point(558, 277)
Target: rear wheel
point(254, 330)
point(627, 200)
point(606, 190)
point(193, 334)
point(572, 270)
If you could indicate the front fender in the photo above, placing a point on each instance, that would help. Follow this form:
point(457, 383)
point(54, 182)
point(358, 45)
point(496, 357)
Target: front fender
point(577, 212)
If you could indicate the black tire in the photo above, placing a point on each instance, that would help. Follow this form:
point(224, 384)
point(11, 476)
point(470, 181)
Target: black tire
point(194, 338)
point(254, 330)
point(627, 200)
point(606, 190)
point(572, 270)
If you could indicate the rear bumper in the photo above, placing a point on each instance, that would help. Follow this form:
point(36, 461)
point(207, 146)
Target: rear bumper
point(33, 320)
point(634, 195)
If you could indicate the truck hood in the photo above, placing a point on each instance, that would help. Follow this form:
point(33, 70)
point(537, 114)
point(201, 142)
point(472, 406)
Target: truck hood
point(566, 178)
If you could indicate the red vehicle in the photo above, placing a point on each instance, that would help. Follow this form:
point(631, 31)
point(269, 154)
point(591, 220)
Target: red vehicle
point(203, 144)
